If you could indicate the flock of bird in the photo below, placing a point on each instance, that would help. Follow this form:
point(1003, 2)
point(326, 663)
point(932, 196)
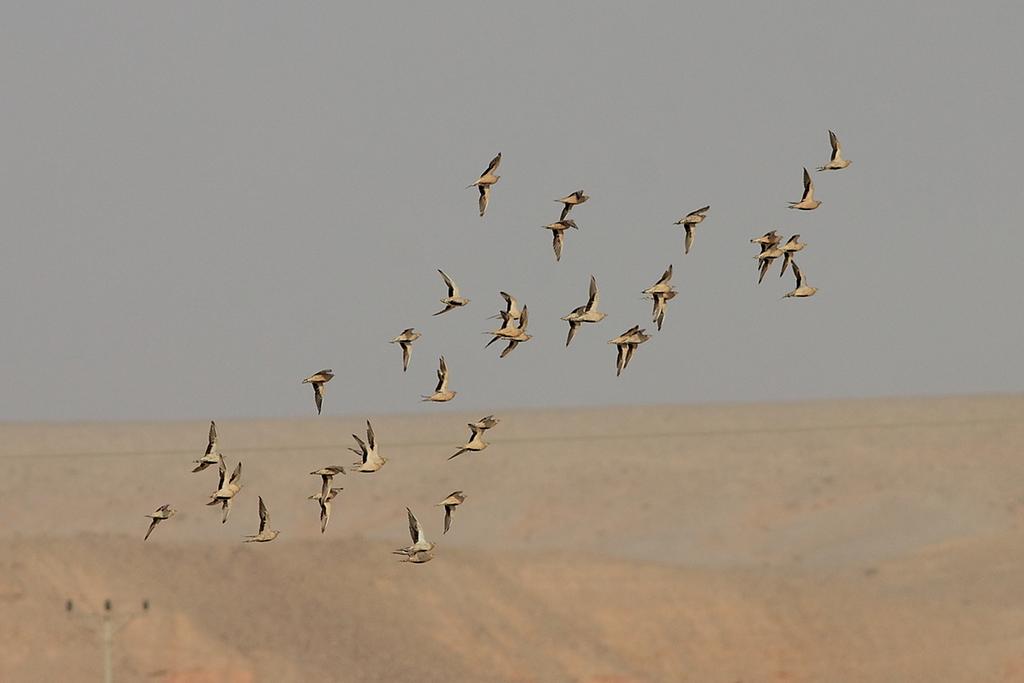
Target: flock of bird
point(513, 331)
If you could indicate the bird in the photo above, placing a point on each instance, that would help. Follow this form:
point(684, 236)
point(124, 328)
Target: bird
point(512, 310)
point(454, 499)
point(487, 422)
point(837, 162)
point(587, 313)
point(626, 344)
point(476, 442)
point(265, 535)
point(766, 258)
point(487, 178)
point(454, 298)
point(420, 544)
point(227, 489)
point(326, 475)
point(516, 335)
point(370, 460)
point(319, 381)
point(662, 292)
point(792, 245)
point(689, 223)
point(558, 229)
point(212, 451)
point(769, 239)
point(807, 202)
point(324, 500)
point(405, 340)
point(801, 289)
point(441, 392)
point(569, 201)
point(166, 512)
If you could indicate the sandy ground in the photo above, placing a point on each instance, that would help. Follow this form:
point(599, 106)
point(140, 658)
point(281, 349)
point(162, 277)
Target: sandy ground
point(875, 540)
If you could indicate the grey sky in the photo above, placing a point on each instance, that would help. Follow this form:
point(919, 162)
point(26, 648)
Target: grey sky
point(203, 203)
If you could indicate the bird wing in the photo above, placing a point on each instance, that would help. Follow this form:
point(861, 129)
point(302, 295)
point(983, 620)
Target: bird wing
point(493, 166)
point(595, 295)
point(666, 276)
point(415, 530)
point(524, 319)
point(212, 445)
point(223, 469)
point(699, 212)
point(799, 275)
point(689, 238)
point(510, 301)
point(318, 396)
point(370, 438)
point(452, 289)
point(808, 186)
point(834, 141)
point(264, 516)
point(236, 474)
point(447, 517)
point(556, 243)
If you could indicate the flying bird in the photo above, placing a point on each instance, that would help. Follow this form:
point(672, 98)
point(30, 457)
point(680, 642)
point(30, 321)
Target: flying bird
point(454, 298)
point(625, 345)
point(370, 460)
point(319, 381)
point(454, 499)
point(837, 161)
point(421, 548)
point(558, 234)
point(569, 201)
point(212, 451)
point(587, 313)
point(327, 475)
point(405, 340)
point(485, 423)
point(324, 500)
point(476, 442)
point(766, 258)
point(487, 178)
point(166, 512)
point(514, 335)
point(792, 245)
point(807, 202)
point(801, 289)
point(227, 489)
point(690, 222)
point(512, 310)
point(662, 292)
point(441, 392)
point(265, 534)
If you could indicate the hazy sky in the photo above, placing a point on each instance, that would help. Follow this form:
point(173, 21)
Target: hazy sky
point(205, 202)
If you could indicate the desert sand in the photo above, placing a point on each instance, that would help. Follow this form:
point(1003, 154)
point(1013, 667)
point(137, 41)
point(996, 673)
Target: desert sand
point(854, 540)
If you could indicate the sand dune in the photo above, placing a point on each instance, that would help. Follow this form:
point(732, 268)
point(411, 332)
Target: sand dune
point(829, 541)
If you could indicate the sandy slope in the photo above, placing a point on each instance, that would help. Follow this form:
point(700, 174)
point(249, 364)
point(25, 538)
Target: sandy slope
point(829, 541)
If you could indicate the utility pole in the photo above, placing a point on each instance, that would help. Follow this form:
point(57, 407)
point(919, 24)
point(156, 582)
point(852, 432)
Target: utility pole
point(108, 627)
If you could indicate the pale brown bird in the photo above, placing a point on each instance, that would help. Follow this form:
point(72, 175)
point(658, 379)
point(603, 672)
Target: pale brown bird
point(690, 222)
point(766, 258)
point(587, 313)
point(837, 161)
point(454, 499)
point(626, 344)
point(792, 245)
point(441, 392)
point(801, 289)
point(662, 292)
point(519, 335)
point(512, 310)
point(487, 178)
point(227, 489)
point(420, 544)
point(807, 202)
point(326, 475)
point(769, 239)
point(476, 442)
point(324, 500)
point(405, 340)
point(454, 298)
point(265, 534)
point(212, 451)
point(319, 381)
point(164, 512)
point(558, 234)
point(487, 422)
point(370, 459)
point(569, 201)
